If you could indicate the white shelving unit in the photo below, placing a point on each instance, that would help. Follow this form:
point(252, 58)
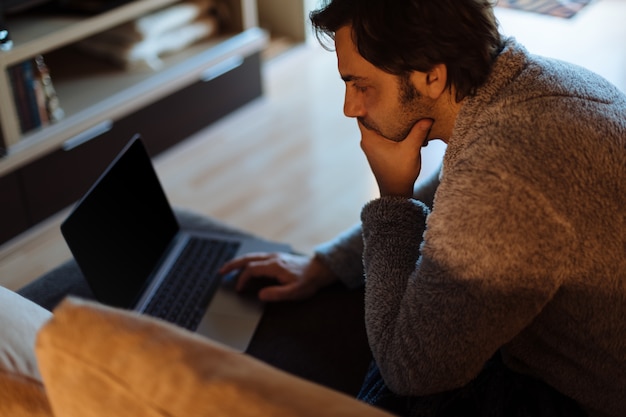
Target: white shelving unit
point(92, 93)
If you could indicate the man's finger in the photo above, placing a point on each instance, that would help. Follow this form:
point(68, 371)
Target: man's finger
point(242, 261)
point(264, 268)
point(419, 132)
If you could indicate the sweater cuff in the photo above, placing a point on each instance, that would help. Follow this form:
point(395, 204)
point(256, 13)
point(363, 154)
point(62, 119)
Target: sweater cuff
point(393, 215)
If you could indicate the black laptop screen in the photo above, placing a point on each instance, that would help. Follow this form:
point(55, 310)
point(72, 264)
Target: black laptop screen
point(121, 227)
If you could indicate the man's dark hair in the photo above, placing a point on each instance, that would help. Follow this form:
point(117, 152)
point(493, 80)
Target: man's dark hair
point(400, 36)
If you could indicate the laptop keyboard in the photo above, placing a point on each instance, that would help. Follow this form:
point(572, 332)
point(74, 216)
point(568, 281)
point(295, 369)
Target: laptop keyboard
point(181, 299)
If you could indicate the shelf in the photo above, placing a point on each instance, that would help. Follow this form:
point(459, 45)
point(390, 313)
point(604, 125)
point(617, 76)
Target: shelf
point(42, 33)
point(35, 34)
point(90, 90)
point(114, 93)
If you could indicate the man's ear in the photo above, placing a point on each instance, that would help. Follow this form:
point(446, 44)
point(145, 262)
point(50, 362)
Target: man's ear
point(434, 82)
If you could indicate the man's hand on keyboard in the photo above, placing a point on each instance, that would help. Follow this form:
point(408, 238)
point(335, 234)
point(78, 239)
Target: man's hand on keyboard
point(295, 276)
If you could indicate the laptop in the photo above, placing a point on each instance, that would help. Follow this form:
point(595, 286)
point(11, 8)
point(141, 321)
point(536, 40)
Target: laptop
point(130, 247)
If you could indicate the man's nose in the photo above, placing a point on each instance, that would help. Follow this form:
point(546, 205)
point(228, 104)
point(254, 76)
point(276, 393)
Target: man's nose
point(352, 106)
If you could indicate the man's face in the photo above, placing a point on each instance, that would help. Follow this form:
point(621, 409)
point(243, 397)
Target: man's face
point(387, 104)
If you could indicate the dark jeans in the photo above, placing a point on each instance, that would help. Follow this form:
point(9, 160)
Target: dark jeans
point(497, 391)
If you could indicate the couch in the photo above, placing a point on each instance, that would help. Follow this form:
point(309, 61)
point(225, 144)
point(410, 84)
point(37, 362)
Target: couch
point(64, 354)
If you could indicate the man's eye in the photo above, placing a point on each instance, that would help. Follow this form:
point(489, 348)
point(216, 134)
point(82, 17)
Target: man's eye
point(360, 88)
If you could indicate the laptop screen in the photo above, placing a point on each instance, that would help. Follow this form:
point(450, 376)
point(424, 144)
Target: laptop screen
point(118, 231)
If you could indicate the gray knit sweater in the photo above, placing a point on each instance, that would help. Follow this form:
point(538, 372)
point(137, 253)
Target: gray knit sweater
point(524, 250)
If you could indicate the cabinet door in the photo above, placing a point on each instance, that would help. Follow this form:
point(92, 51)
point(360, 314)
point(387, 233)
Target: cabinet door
point(13, 214)
point(181, 114)
point(59, 179)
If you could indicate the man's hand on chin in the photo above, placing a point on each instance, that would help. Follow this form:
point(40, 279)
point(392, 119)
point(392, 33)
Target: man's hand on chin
point(396, 165)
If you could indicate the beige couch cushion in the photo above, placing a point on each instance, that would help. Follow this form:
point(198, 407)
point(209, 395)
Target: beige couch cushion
point(99, 361)
point(21, 389)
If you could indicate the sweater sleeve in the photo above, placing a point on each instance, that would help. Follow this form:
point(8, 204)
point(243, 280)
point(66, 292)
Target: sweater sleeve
point(344, 254)
point(441, 300)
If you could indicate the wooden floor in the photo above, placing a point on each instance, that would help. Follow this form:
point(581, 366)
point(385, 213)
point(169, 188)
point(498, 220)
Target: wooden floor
point(288, 166)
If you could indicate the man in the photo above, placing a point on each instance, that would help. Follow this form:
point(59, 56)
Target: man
point(500, 287)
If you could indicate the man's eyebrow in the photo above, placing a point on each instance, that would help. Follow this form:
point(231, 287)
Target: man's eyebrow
point(349, 78)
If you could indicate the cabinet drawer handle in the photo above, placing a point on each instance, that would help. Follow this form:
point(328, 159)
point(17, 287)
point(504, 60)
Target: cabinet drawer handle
point(87, 135)
point(222, 68)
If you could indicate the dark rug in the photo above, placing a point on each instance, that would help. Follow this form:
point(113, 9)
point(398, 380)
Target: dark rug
point(558, 8)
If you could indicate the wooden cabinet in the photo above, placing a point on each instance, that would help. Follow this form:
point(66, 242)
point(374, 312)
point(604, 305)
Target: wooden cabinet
point(47, 169)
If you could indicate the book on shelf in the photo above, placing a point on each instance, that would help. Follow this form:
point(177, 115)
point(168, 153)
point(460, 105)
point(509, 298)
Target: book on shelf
point(35, 98)
point(16, 76)
point(3, 148)
point(28, 74)
point(51, 104)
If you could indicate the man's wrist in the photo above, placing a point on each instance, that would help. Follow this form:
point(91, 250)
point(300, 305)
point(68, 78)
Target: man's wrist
point(324, 275)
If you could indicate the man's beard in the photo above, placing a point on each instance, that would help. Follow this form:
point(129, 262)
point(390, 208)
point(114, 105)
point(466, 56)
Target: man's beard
point(409, 99)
